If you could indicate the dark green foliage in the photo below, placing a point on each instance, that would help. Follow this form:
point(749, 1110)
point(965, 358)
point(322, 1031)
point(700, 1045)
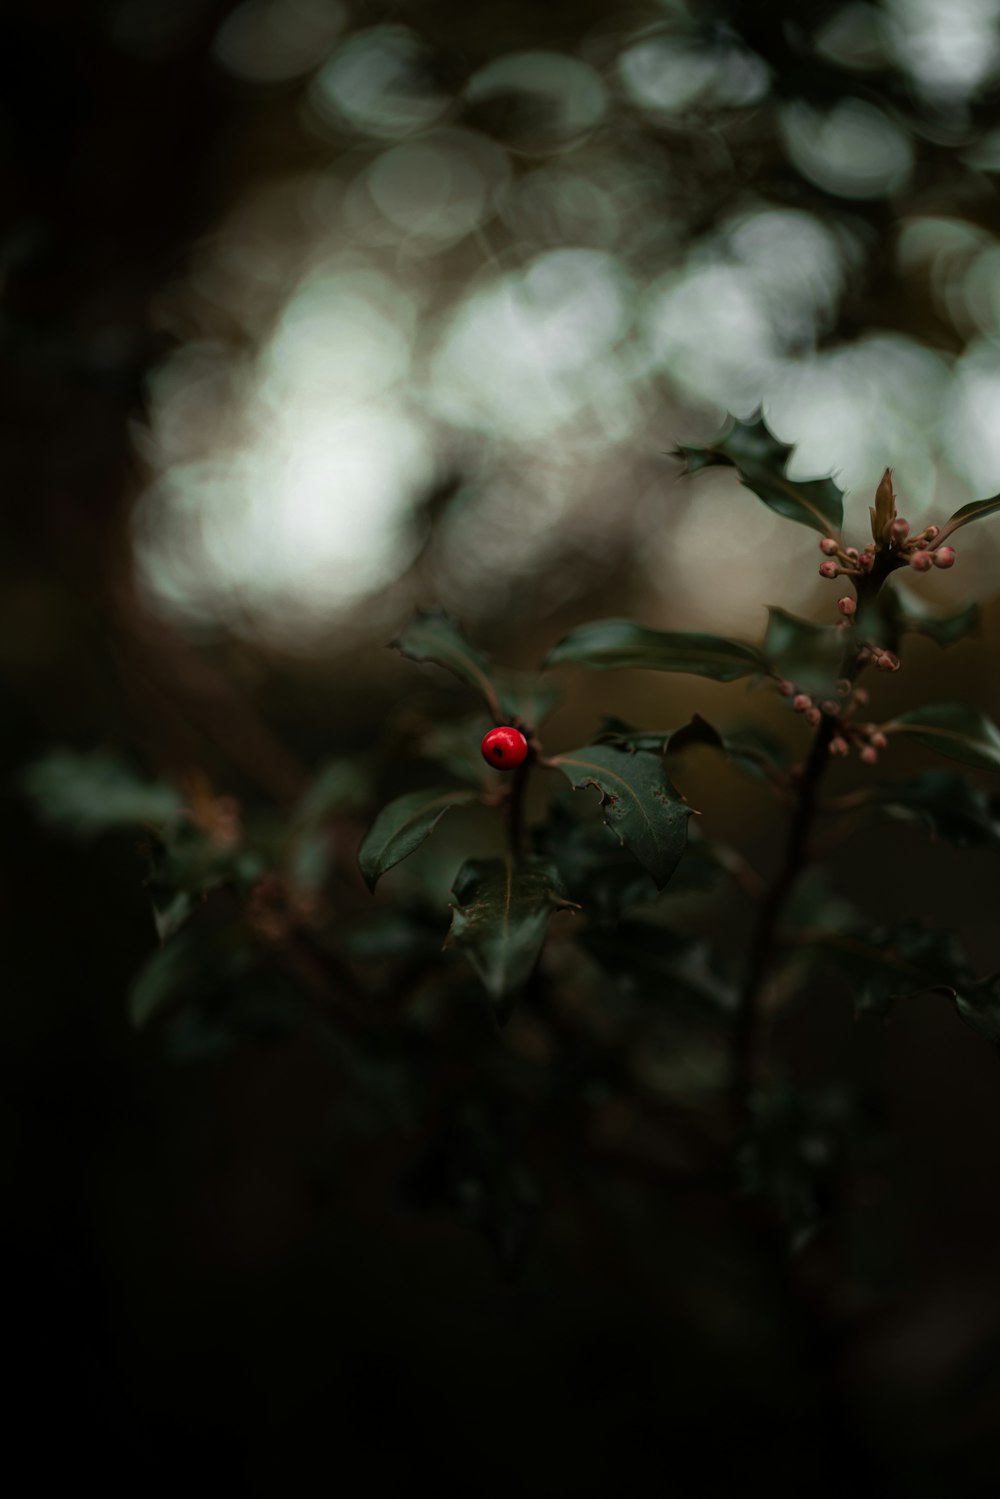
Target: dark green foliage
point(402, 826)
point(90, 794)
point(434, 636)
point(761, 460)
point(956, 730)
point(641, 806)
point(946, 804)
point(609, 644)
point(501, 914)
point(895, 614)
point(809, 655)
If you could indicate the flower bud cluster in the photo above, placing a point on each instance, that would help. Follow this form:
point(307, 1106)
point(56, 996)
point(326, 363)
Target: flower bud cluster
point(866, 738)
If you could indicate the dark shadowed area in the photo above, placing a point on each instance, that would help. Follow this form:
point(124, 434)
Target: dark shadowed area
point(316, 314)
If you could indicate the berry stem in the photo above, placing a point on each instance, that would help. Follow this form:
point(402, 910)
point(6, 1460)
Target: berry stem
point(514, 807)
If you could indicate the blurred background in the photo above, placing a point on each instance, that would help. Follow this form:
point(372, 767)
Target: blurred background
point(313, 312)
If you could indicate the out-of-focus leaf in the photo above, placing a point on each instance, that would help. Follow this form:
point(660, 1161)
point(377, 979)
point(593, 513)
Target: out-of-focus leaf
point(761, 460)
point(807, 654)
point(894, 614)
point(89, 794)
point(890, 965)
point(525, 698)
point(185, 967)
point(956, 730)
point(601, 875)
point(669, 967)
point(756, 753)
point(403, 825)
point(947, 804)
point(641, 806)
point(338, 786)
point(453, 745)
point(605, 644)
point(501, 913)
point(434, 636)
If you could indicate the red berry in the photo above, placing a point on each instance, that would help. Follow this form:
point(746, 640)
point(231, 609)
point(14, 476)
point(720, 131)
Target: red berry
point(944, 557)
point(504, 747)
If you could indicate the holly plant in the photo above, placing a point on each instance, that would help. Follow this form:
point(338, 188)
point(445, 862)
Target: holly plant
point(581, 930)
point(502, 905)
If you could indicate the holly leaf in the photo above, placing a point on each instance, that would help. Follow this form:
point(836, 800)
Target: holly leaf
point(606, 644)
point(807, 654)
point(891, 964)
point(525, 698)
point(956, 730)
point(500, 916)
point(975, 510)
point(641, 806)
point(338, 786)
point(747, 747)
point(434, 636)
point(402, 826)
point(602, 876)
point(761, 460)
point(90, 794)
point(894, 614)
point(944, 803)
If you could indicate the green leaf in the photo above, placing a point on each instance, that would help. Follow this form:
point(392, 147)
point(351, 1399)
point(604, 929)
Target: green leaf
point(196, 961)
point(760, 459)
point(810, 655)
point(453, 745)
point(891, 964)
point(609, 643)
point(978, 1003)
point(954, 729)
point(90, 794)
point(756, 753)
point(403, 825)
point(671, 968)
point(525, 698)
point(338, 786)
point(641, 806)
point(975, 510)
point(501, 914)
point(434, 636)
point(601, 875)
point(946, 804)
point(894, 614)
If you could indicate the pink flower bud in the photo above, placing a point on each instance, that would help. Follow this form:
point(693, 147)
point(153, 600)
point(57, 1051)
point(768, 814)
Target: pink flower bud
point(839, 745)
point(844, 687)
point(887, 662)
point(861, 695)
point(786, 689)
point(866, 561)
point(852, 554)
point(813, 716)
point(931, 531)
point(831, 570)
point(846, 606)
point(869, 755)
point(922, 560)
point(829, 547)
point(944, 557)
point(879, 741)
point(801, 703)
point(900, 529)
